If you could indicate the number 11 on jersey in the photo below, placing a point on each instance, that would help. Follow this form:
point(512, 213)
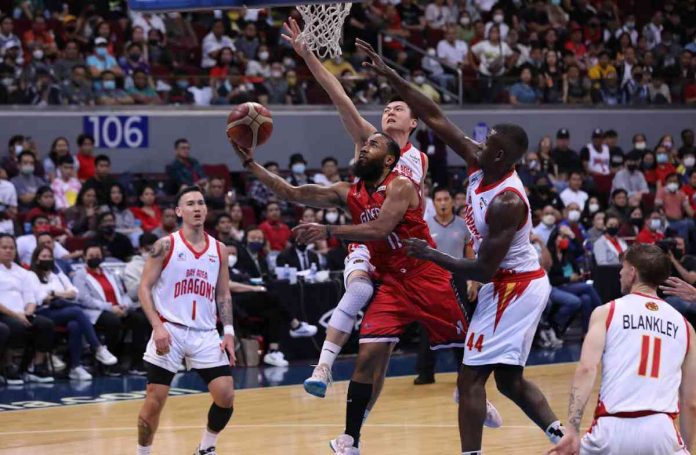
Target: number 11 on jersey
point(645, 356)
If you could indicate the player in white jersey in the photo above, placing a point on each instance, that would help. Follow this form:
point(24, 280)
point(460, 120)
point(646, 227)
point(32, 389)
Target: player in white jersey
point(648, 357)
point(510, 304)
point(183, 291)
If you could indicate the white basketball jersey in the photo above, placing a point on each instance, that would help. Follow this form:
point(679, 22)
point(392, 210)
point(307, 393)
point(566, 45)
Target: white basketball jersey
point(185, 291)
point(600, 160)
point(521, 256)
point(645, 347)
point(412, 163)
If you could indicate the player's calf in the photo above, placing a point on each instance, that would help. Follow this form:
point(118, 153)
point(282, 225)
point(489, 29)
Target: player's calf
point(222, 390)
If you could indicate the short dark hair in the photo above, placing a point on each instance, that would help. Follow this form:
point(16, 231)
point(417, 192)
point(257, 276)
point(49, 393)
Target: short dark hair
point(605, 53)
point(393, 148)
point(186, 190)
point(104, 214)
point(268, 164)
point(102, 158)
point(221, 216)
point(671, 174)
point(270, 203)
point(329, 159)
point(611, 134)
point(93, 244)
point(38, 217)
point(84, 137)
point(618, 191)
point(611, 217)
point(650, 261)
point(65, 159)
point(440, 189)
point(26, 153)
point(179, 141)
point(575, 173)
point(147, 239)
point(14, 139)
point(514, 139)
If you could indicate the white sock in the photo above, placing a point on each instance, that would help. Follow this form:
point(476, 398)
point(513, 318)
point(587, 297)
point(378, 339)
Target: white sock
point(209, 439)
point(473, 452)
point(555, 432)
point(367, 413)
point(144, 450)
point(329, 352)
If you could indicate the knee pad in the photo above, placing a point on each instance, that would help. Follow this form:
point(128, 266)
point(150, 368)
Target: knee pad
point(218, 417)
point(357, 295)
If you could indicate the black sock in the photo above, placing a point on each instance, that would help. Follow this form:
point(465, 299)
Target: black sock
point(359, 395)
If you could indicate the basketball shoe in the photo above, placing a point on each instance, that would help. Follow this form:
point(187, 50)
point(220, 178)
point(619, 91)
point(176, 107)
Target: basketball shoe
point(319, 381)
point(493, 417)
point(343, 445)
point(208, 451)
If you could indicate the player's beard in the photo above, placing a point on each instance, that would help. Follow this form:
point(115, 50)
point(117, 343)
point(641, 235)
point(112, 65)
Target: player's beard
point(370, 170)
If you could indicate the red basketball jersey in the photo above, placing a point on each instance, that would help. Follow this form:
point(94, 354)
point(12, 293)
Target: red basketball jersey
point(388, 255)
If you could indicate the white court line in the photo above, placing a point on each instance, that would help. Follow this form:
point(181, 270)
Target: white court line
point(260, 425)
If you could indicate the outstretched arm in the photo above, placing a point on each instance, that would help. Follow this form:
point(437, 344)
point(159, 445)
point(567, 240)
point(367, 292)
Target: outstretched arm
point(424, 108)
point(313, 195)
point(357, 127)
point(401, 194)
point(508, 211)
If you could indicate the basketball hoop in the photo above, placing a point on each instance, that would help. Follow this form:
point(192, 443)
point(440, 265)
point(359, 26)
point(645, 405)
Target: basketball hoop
point(323, 28)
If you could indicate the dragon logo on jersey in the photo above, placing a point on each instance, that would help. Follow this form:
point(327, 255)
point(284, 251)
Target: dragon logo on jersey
point(181, 256)
point(652, 306)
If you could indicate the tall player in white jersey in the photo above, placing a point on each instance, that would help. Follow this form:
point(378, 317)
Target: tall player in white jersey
point(648, 356)
point(510, 304)
point(183, 291)
point(398, 122)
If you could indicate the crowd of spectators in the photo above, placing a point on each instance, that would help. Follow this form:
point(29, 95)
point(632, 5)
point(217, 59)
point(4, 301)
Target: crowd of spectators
point(529, 52)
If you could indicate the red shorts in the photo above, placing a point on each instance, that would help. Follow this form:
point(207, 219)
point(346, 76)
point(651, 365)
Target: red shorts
point(424, 295)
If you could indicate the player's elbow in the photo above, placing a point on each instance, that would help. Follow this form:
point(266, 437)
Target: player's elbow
point(585, 369)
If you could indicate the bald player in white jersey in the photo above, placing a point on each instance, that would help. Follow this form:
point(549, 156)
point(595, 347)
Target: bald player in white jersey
point(398, 122)
point(648, 357)
point(183, 291)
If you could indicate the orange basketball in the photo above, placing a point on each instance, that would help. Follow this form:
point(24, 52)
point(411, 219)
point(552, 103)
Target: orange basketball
point(249, 125)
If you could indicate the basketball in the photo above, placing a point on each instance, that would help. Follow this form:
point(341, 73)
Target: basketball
point(249, 125)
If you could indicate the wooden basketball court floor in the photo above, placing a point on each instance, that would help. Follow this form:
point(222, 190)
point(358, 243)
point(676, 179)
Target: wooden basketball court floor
point(284, 420)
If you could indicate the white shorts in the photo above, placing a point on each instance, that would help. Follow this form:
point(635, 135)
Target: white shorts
point(357, 259)
point(505, 319)
point(650, 435)
point(200, 348)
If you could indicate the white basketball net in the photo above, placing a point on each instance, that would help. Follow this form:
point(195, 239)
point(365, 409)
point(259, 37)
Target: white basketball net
point(323, 28)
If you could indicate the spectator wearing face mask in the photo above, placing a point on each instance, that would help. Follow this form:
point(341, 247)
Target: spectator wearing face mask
point(213, 43)
point(531, 170)
point(26, 183)
point(591, 207)
point(498, 19)
point(101, 60)
point(574, 192)
point(676, 206)
point(571, 221)
point(543, 230)
point(653, 229)
point(664, 166)
point(689, 187)
point(298, 169)
point(609, 248)
point(630, 178)
point(113, 243)
point(419, 80)
point(275, 87)
point(687, 162)
point(431, 65)
point(251, 254)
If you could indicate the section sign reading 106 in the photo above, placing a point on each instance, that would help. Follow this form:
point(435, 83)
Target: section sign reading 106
point(117, 131)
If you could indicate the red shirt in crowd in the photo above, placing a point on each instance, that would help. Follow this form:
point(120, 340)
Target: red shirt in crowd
point(87, 167)
point(648, 236)
point(109, 292)
point(148, 222)
point(690, 192)
point(663, 170)
point(277, 234)
point(56, 220)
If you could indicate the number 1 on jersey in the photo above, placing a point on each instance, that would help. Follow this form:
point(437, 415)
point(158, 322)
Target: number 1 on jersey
point(645, 356)
point(193, 311)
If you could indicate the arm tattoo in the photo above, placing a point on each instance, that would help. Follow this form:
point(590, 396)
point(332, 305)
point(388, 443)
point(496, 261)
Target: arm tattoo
point(225, 309)
point(161, 248)
point(575, 409)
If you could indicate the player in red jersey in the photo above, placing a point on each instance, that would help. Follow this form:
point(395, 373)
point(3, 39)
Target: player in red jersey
point(386, 209)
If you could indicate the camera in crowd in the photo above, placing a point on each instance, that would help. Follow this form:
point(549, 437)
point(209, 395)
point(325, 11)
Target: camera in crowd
point(668, 245)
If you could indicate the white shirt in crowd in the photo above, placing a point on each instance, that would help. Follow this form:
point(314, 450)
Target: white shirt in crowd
point(453, 54)
point(503, 27)
point(606, 253)
point(569, 196)
point(26, 244)
point(438, 16)
point(147, 23)
point(17, 288)
point(487, 52)
point(211, 44)
point(56, 282)
point(8, 198)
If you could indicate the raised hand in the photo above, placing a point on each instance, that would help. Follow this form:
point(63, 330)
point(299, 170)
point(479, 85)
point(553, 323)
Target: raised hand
point(293, 36)
point(377, 64)
point(679, 288)
point(309, 233)
point(242, 153)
